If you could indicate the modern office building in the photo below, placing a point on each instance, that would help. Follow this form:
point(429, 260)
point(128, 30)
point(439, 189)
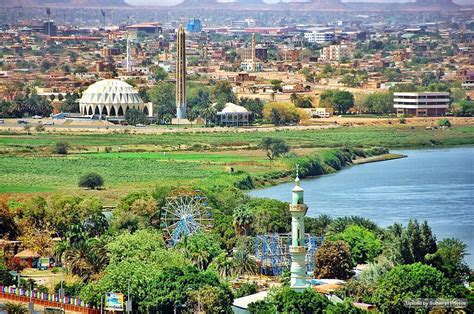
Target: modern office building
point(425, 104)
point(320, 37)
point(194, 26)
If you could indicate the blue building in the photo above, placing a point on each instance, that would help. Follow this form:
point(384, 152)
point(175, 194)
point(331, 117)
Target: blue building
point(194, 26)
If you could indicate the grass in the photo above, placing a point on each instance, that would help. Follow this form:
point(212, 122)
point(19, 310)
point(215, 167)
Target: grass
point(142, 161)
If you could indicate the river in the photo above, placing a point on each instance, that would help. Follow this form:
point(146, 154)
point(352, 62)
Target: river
point(430, 184)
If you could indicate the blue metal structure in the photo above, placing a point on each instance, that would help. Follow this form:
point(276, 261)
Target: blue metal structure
point(272, 252)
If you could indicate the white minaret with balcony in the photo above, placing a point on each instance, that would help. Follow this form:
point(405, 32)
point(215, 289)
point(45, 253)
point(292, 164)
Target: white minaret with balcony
point(297, 249)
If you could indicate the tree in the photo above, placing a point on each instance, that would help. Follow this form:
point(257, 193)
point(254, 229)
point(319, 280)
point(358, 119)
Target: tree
point(341, 101)
point(276, 85)
point(465, 108)
point(5, 278)
point(223, 93)
point(274, 147)
point(244, 263)
point(15, 308)
point(163, 97)
point(380, 103)
point(70, 103)
point(345, 307)
point(246, 289)
point(87, 259)
point(364, 244)
point(403, 88)
point(282, 113)
point(271, 216)
point(160, 74)
point(413, 281)
point(201, 248)
point(91, 180)
point(288, 300)
point(135, 116)
point(210, 299)
point(254, 105)
point(449, 259)
point(317, 225)
point(223, 265)
point(242, 220)
point(136, 211)
point(61, 148)
point(333, 260)
point(9, 228)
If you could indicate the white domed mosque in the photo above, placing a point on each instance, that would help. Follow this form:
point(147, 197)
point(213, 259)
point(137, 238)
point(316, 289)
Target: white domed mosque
point(112, 98)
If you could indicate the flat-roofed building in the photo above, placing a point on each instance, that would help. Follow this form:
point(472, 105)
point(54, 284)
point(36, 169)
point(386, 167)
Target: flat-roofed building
point(424, 104)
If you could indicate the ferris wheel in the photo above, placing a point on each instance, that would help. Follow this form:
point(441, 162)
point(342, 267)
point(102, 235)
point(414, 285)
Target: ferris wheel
point(185, 212)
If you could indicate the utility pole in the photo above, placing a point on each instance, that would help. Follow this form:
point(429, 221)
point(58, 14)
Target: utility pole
point(61, 290)
point(101, 303)
point(128, 306)
point(31, 306)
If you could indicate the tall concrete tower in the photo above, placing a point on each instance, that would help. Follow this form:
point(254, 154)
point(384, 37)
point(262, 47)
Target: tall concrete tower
point(297, 249)
point(181, 74)
point(254, 53)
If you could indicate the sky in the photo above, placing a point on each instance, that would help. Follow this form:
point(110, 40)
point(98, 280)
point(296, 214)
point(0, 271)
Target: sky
point(171, 2)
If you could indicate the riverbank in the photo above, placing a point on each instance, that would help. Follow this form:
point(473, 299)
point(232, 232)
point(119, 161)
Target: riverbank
point(329, 162)
point(430, 184)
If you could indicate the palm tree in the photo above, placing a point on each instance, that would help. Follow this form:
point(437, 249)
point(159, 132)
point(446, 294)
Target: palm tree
point(294, 98)
point(224, 265)
point(15, 308)
point(87, 259)
point(242, 219)
point(244, 263)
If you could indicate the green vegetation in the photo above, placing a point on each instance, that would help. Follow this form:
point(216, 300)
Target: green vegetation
point(274, 148)
point(91, 181)
point(333, 260)
point(139, 160)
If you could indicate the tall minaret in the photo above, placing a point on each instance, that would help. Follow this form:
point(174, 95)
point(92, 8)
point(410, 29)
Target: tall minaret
point(181, 74)
point(128, 53)
point(254, 53)
point(297, 249)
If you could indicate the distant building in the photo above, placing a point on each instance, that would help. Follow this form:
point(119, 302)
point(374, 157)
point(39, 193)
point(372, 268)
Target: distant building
point(112, 99)
point(50, 29)
point(194, 26)
point(426, 104)
point(336, 52)
point(319, 37)
point(233, 115)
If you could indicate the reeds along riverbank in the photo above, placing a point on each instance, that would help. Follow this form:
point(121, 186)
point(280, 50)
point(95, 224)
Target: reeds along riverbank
point(325, 162)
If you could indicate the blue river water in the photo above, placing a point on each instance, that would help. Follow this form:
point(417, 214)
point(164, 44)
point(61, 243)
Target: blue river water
point(436, 185)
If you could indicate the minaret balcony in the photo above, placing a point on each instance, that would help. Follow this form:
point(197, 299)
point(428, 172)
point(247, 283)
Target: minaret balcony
point(297, 249)
point(301, 208)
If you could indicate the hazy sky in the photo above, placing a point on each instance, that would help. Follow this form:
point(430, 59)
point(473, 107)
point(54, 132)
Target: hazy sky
point(171, 2)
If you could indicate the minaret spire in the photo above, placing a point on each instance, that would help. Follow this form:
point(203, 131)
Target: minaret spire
point(297, 249)
point(181, 74)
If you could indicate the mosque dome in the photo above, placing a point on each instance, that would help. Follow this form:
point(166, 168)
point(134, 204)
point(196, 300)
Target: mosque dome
point(111, 98)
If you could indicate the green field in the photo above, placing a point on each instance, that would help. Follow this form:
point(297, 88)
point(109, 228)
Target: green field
point(141, 161)
point(391, 137)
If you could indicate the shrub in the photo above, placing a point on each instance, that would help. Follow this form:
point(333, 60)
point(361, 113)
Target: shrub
point(246, 289)
point(91, 181)
point(61, 148)
point(402, 120)
point(444, 122)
